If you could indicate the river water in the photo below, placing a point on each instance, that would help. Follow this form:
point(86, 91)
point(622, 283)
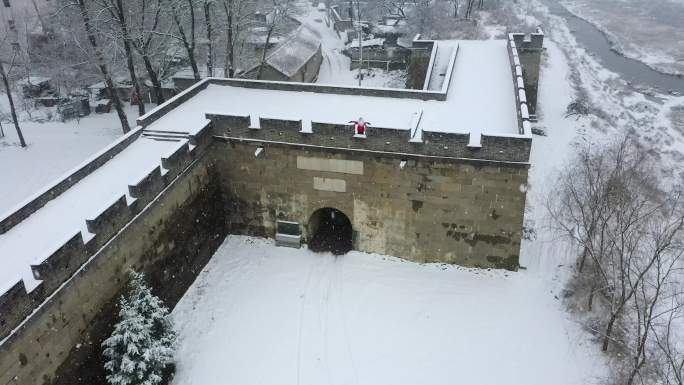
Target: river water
point(595, 42)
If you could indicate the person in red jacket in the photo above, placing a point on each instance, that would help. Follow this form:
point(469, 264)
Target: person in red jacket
point(360, 126)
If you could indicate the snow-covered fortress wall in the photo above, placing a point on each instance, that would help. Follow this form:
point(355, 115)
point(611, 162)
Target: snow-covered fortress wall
point(418, 207)
point(9, 220)
point(528, 50)
point(436, 198)
point(249, 155)
point(382, 139)
point(170, 229)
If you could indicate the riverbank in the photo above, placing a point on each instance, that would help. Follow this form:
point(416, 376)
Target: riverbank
point(650, 32)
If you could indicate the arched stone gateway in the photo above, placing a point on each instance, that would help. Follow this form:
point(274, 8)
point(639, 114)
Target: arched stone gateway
point(330, 229)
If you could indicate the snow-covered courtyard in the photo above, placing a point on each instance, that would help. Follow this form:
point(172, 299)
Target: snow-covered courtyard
point(258, 314)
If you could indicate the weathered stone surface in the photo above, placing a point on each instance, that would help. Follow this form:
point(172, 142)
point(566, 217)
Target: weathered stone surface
point(170, 240)
point(329, 184)
point(441, 144)
point(431, 210)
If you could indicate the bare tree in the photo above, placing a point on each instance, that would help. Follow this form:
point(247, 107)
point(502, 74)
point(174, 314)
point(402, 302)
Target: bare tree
point(118, 13)
point(183, 11)
point(9, 52)
point(229, 7)
point(456, 4)
point(282, 9)
point(398, 7)
point(238, 15)
point(668, 341)
point(207, 5)
point(102, 64)
point(145, 33)
point(13, 110)
point(469, 8)
point(665, 245)
point(630, 233)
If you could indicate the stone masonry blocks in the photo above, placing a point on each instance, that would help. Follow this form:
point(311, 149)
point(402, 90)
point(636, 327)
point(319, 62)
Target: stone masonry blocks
point(15, 305)
point(335, 135)
point(108, 222)
point(61, 263)
point(146, 189)
point(432, 209)
point(177, 161)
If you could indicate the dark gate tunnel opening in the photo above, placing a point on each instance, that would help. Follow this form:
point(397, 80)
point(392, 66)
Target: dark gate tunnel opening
point(330, 230)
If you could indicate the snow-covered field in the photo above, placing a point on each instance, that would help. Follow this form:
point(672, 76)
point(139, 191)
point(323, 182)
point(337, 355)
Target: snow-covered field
point(258, 314)
point(53, 149)
point(646, 30)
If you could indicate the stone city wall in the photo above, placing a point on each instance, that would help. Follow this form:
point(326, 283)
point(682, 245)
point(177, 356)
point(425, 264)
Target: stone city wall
point(423, 209)
point(174, 239)
point(335, 135)
point(19, 214)
point(528, 50)
point(329, 89)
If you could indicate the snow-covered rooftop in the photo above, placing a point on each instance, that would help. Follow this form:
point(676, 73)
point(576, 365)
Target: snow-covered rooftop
point(480, 98)
point(292, 55)
point(377, 42)
point(33, 80)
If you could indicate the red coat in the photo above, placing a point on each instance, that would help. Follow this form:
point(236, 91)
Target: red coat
point(360, 127)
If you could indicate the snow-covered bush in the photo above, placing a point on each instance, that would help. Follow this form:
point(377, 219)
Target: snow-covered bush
point(143, 341)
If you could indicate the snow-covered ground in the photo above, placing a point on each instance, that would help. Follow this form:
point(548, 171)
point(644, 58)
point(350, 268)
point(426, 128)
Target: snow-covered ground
point(620, 110)
point(258, 314)
point(53, 149)
point(647, 30)
point(335, 66)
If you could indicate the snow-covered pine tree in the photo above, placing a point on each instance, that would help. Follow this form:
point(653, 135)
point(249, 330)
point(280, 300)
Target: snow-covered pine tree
point(143, 340)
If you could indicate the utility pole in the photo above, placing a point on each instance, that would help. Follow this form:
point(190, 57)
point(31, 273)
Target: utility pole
point(359, 32)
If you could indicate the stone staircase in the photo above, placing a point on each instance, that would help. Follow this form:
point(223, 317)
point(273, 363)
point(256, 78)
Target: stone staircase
point(167, 136)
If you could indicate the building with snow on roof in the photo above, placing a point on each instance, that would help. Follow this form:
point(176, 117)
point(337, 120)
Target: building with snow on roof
point(296, 60)
point(440, 175)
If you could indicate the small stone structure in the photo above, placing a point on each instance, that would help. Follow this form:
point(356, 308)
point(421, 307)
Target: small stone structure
point(527, 49)
point(296, 60)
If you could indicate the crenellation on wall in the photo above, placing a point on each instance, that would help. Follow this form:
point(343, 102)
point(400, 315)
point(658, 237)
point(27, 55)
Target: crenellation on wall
point(52, 192)
point(280, 124)
point(339, 135)
point(532, 41)
point(108, 222)
point(78, 279)
point(53, 269)
point(202, 139)
point(446, 144)
point(146, 189)
point(525, 55)
point(15, 305)
point(176, 162)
